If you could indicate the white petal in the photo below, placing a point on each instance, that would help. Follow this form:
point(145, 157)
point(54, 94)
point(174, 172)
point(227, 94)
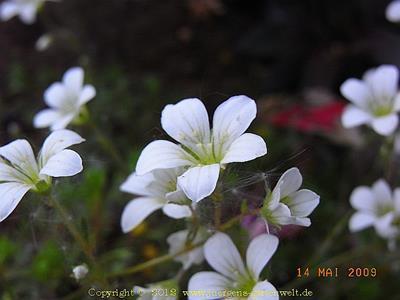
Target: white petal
point(27, 13)
point(199, 182)
point(274, 197)
point(137, 185)
point(303, 202)
point(281, 214)
point(382, 192)
point(393, 11)
point(177, 243)
point(356, 91)
point(187, 122)
point(58, 141)
point(64, 163)
point(231, 119)
point(73, 80)
point(164, 181)
point(264, 291)
point(384, 81)
point(360, 221)
point(177, 211)
point(137, 210)
point(63, 121)
point(259, 252)
point(363, 199)
point(8, 173)
point(353, 116)
point(385, 228)
point(300, 221)
point(223, 256)
point(88, 93)
point(396, 196)
point(247, 147)
point(20, 153)
point(161, 155)
point(11, 194)
point(290, 182)
point(8, 10)
point(46, 118)
point(208, 285)
point(385, 125)
point(177, 197)
point(55, 95)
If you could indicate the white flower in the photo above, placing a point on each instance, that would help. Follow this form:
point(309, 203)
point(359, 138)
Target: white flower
point(375, 100)
point(202, 150)
point(80, 272)
point(232, 275)
point(393, 11)
point(20, 171)
point(66, 100)
point(164, 290)
point(376, 206)
point(25, 9)
point(178, 242)
point(286, 204)
point(157, 190)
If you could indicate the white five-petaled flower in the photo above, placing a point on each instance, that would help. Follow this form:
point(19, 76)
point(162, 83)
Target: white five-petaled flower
point(66, 100)
point(203, 151)
point(232, 274)
point(376, 206)
point(178, 241)
point(25, 9)
point(286, 204)
point(393, 11)
point(156, 190)
point(375, 100)
point(20, 171)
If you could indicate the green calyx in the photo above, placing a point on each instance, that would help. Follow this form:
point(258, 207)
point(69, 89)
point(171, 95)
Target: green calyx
point(42, 187)
point(245, 284)
point(82, 117)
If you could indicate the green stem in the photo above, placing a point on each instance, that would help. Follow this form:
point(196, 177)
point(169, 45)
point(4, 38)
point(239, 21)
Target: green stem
point(72, 229)
point(167, 257)
point(84, 245)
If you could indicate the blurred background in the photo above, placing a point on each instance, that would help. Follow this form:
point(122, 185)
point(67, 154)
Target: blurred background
point(290, 56)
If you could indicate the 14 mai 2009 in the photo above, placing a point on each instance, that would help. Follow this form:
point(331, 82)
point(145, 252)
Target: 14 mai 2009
point(328, 272)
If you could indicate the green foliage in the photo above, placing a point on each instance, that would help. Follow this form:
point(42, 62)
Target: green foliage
point(48, 264)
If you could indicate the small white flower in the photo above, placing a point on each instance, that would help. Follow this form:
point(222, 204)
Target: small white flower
point(80, 272)
point(393, 11)
point(376, 206)
point(20, 171)
point(178, 242)
point(66, 100)
point(375, 100)
point(286, 204)
point(232, 274)
point(164, 290)
point(202, 150)
point(25, 9)
point(157, 190)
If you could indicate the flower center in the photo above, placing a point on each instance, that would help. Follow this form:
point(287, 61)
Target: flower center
point(245, 284)
point(384, 209)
